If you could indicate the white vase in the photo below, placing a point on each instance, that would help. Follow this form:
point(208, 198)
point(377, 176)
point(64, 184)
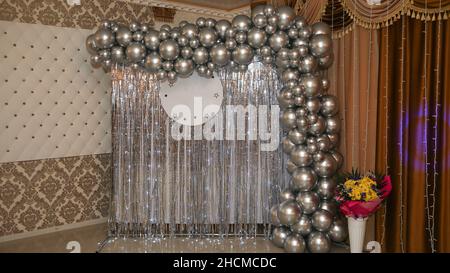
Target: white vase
point(356, 231)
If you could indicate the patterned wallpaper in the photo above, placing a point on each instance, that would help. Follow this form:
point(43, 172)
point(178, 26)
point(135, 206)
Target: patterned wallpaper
point(88, 15)
point(45, 193)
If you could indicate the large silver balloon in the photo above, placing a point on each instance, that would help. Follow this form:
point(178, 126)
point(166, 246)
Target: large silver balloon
point(309, 201)
point(104, 38)
point(279, 235)
point(169, 50)
point(297, 137)
point(243, 54)
point(221, 28)
point(326, 187)
point(338, 231)
point(330, 206)
point(287, 145)
point(321, 28)
point(333, 125)
point(327, 167)
point(330, 105)
point(241, 22)
point(153, 62)
point(274, 216)
point(124, 36)
point(322, 220)
point(295, 243)
point(220, 55)
point(135, 52)
point(303, 226)
point(184, 67)
point(117, 54)
point(288, 119)
point(151, 39)
point(90, 44)
point(201, 55)
point(300, 156)
point(289, 212)
point(96, 61)
point(304, 179)
point(286, 15)
point(278, 40)
point(287, 194)
point(256, 37)
point(320, 45)
point(312, 85)
point(318, 242)
point(207, 37)
point(308, 64)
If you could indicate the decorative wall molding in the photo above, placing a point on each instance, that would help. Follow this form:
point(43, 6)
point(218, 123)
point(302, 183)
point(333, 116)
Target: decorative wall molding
point(42, 194)
point(194, 9)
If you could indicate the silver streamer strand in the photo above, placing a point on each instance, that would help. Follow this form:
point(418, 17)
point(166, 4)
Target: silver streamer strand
point(166, 187)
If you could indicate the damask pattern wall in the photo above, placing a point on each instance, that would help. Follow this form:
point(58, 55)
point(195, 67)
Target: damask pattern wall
point(55, 161)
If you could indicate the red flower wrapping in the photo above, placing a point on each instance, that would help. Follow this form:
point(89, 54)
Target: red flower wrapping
point(361, 209)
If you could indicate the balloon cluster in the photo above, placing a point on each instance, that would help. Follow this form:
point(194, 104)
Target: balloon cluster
point(278, 36)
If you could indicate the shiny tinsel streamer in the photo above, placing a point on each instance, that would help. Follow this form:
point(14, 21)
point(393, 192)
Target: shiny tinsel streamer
point(166, 187)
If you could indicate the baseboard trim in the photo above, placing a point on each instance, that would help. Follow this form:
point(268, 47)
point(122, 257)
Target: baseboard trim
point(44, 231)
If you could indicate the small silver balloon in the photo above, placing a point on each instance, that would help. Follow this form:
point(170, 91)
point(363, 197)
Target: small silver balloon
point(153, 62)
point(240, 37)
point(338, 231)
point(313, 105)
point(300, 156)
point(135, 52)
point(289, 74)
point(151, 39)
point(243, 54)
point(201, 55)
point(292, 33)
point(327, 167)
point(230, 43)
point(322, 220)
point(269, 29)
point(260, 21)
point(312, 85)
point(309, 201)
point(186, 52)
point(323, 143)
point(172, 77)
point(117, 54)
point(189, 30)
point(317, 128)
point(134, 26)
point(256, 38)
point(207, 37)
point(308, 64)
point(278, 40)
point(325, 84)
point(169, 50)
point(318, 242)
point(338, 157)
point(220, 55)
point(257, 10)
point(334, 138)
point(289, 212)
point(184, 67)
point(297, 137)
point(279, 235)
point(300, 22)
point(201, 70)
point(96, 61)
point(286, 15)
point(295, 243)
point(321, 28)
point(183, 40)
point(287, 145)
point(105, 54)
point(221, 28)
point(326, 61)
point(104, 38)
point(285, 98)
point(326, 187)
point(138, 36)
point(303, 226)
point(269, 10)
point(167, 66)
point(288, 119)
point(304, 179)
point(105, 24)
point(210, 22)
point(333, 125)
point(163, 35)
point(272, 20)
point(90, 44)
point(201, 21)
point(194, 43)
point(329, 205)
point(161, 75)
point(106, 65)
point(290, 166)
point(320, 45)
point(330, 105)
point(287, 194)
point(302, 124)
point(241, 22)
point(274, 216)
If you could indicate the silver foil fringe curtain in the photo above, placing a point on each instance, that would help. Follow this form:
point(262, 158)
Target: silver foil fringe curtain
point(166, 187)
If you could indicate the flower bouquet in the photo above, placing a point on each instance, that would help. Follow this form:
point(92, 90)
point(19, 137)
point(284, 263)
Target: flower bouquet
point(359, 196)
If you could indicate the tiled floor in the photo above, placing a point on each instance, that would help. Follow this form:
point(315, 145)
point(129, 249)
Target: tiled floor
point(90, 237)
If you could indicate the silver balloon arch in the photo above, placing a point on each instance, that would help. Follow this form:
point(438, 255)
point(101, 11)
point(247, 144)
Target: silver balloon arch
point(157, 192)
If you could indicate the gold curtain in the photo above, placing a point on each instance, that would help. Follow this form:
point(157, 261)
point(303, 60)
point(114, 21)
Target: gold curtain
point(413, 136)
